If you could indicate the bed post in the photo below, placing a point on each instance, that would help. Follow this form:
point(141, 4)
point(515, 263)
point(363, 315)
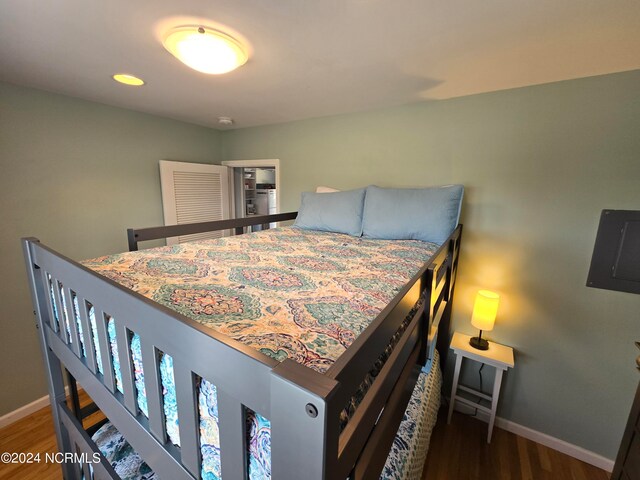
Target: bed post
point(304, 423)
point(132, 240)
point(53, 366)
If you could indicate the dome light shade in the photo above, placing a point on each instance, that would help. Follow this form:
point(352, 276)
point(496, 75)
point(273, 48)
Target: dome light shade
point(205, 49)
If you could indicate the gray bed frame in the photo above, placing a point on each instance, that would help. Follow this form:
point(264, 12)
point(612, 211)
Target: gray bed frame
point(303, 405)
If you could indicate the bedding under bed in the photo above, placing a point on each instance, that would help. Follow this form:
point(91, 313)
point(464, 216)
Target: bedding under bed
point(405, 461)
point(287, 292)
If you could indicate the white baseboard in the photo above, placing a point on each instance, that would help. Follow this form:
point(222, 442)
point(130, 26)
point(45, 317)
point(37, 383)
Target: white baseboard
point(25, 410)
point(567, 448)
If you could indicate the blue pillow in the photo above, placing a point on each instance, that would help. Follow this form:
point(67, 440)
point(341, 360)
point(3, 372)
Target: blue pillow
point(428, 214)
point(339, 212)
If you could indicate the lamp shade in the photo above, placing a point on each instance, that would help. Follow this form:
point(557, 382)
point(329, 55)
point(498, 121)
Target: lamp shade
point(485, 310)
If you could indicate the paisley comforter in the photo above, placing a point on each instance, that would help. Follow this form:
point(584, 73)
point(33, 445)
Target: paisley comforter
point(287, 292)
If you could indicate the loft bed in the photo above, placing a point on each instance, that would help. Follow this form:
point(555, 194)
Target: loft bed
point(304, 406)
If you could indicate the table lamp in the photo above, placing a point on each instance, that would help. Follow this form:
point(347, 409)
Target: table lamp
point(484, 316)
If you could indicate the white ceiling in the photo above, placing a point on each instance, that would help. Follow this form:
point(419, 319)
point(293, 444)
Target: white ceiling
point(313, 58)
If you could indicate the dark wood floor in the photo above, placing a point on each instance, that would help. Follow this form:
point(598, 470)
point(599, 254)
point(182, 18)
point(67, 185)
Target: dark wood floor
point(458, 452)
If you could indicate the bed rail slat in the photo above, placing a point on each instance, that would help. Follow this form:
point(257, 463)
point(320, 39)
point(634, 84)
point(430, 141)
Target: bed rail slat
point(437, 318)
point(153, 390)
point(123, 340)
point(438, 290)
point(47, 282)
point(187, 417)
point(62, 315)
point(105, 349)
point(87, 334)
point(443, 261)
point(233, 437)
point(86, 472)
point(74, 338)
point(444, 324)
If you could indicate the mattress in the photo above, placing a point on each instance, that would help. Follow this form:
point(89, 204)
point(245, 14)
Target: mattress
point(405, 461)
point(287, 292)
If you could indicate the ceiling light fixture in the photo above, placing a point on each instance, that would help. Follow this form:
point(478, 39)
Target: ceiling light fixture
point(205, 49)
point(127, 79)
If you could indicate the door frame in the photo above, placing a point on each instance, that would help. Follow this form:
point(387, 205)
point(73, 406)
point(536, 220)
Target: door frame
point(260, 163)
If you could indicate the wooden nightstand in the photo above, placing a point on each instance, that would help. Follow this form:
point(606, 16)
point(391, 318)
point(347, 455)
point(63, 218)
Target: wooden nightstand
point(498, 356)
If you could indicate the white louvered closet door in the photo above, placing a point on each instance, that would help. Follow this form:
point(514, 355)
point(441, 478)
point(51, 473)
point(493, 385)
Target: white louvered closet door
point(192, 193)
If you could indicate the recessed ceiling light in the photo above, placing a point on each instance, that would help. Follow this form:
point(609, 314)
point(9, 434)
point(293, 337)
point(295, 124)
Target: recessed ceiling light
point(127, 79)
point(205, 49)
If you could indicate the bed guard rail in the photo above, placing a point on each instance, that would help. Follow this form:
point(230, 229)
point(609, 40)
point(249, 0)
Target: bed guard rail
point(304, 406)
point(367, 437)
point(290, 395)
point(136, 235)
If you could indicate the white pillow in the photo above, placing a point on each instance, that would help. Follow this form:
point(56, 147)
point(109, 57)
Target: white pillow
point(323, 189)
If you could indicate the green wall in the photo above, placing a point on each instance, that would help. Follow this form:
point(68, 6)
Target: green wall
point(539, 164)
point(75, 174)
